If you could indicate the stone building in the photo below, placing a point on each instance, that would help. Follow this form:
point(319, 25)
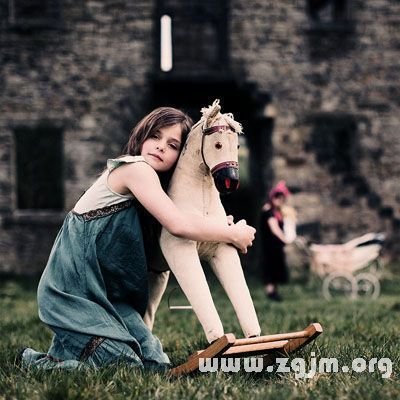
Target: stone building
point(314, 82)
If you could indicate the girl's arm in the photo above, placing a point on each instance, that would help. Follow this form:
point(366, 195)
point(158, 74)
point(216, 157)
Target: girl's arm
point(276, 230)
point(140, 179)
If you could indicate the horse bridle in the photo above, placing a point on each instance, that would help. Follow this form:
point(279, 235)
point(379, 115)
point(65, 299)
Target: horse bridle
point(225, 164)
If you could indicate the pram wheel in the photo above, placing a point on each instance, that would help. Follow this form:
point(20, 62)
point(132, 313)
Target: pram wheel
point(339, 284)
point(368, 285)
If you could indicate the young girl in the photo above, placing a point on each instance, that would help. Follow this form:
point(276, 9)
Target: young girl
point(276, 231)
point(93, 292)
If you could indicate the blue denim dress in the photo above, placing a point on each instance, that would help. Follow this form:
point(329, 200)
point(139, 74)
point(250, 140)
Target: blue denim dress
point(94, 291)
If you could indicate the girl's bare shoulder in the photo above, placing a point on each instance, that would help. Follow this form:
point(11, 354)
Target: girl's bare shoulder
point(139, 169)
point(132, 175)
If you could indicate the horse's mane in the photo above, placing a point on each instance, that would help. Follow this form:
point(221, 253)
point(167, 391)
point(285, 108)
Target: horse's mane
point(212, 112)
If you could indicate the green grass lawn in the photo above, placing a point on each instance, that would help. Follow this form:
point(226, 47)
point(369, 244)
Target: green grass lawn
point(352, 329)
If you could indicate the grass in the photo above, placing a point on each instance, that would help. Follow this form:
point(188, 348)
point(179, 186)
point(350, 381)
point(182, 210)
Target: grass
point(352, 329)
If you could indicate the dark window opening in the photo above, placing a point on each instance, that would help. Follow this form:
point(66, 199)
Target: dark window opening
point(328, 10)
point(335, 141)
point(331, 29)
point(246, 105)
point(199, 35)
point(26, 15)
point(39, 167)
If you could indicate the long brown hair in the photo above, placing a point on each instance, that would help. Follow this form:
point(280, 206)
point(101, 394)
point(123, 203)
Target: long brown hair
point(159, 118)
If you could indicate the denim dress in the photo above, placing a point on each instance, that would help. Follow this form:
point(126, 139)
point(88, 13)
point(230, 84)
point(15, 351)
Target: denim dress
point(94, 291)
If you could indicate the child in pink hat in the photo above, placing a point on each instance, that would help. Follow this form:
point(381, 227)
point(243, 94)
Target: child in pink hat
point(274, 237)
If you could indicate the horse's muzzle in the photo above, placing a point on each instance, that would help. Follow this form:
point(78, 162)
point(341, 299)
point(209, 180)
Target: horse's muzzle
point(226, 177)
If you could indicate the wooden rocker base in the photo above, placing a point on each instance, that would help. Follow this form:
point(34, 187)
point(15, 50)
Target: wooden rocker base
point(269, 347)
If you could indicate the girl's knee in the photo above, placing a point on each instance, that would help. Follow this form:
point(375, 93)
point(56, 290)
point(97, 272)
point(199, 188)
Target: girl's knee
point(114, 352)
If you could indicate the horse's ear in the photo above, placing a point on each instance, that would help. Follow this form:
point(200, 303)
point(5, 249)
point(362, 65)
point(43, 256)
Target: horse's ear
point(216, 108)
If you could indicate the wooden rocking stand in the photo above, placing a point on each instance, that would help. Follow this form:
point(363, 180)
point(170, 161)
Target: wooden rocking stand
point(269, 347)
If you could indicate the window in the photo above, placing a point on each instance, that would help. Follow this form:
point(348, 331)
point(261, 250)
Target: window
point(166, 43)
point(335, 141)
point(28, 14)
point(196, 32)
point(328, 11)
point(39, 167)
point(331, 29)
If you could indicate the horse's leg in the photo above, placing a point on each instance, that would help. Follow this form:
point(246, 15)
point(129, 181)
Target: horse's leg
point(157, 284)
point(226, 266)
point(184, 262)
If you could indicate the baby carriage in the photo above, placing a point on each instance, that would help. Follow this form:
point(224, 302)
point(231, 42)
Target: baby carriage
point(349, 269)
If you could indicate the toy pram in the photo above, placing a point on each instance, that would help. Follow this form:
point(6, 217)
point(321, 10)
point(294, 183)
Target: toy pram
point(349, 269)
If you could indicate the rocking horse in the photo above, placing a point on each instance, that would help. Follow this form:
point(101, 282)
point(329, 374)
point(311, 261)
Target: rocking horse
point(208, 166)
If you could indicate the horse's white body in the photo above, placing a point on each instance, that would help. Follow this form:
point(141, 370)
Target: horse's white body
point(193, 190)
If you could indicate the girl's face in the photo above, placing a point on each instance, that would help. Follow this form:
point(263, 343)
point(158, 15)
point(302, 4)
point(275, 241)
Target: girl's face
point(278, 200)
point(162, 148)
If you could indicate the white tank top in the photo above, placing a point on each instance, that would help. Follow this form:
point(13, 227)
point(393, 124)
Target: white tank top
point(100, 195)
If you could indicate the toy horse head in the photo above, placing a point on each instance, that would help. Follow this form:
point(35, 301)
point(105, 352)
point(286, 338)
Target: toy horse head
point(219, 147)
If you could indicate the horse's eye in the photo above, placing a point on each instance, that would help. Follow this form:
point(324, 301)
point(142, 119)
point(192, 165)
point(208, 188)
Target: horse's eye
point(238, 146)
point(218, 145)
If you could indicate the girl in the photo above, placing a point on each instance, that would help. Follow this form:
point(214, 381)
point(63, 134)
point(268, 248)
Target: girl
point(93, 292)
point(277, 230)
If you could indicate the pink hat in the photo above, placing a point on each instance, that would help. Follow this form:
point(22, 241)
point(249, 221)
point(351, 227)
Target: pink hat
point(279, 188)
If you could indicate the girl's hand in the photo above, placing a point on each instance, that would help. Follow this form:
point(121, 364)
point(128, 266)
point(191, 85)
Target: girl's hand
point(243, 235)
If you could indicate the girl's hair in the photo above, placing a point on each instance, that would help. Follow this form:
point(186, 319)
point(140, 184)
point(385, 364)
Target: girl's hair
point(159, 118)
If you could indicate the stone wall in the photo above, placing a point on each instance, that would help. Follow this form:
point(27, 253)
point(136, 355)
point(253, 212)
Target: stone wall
point(87, 75)
point(90, 74)
point(333, 71)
